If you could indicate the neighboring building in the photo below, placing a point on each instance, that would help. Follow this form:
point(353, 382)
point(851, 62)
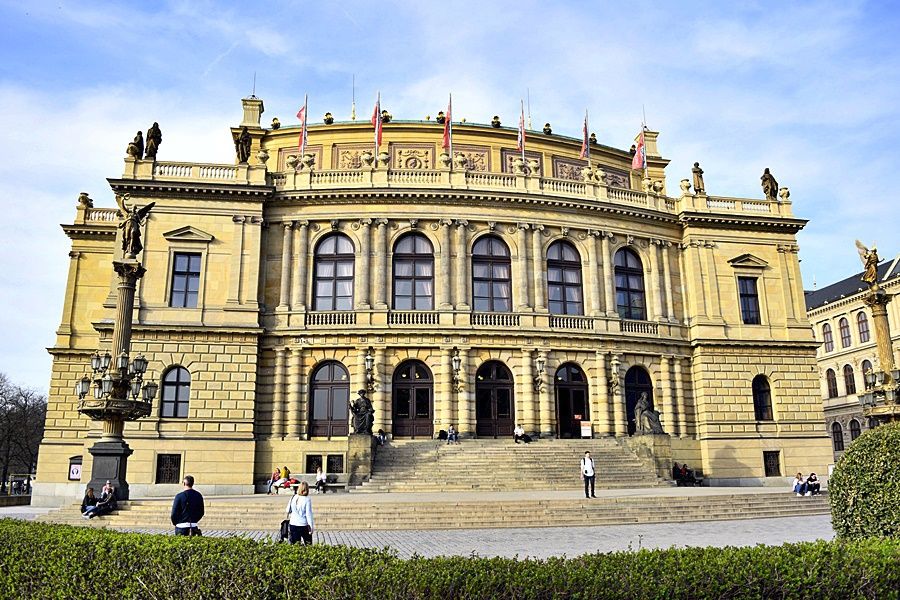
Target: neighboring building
point(846, 334)
point(269, 284)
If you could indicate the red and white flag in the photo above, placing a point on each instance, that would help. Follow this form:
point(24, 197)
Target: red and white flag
point(448, 128)
point(639, 161)
point(376, 122)
point(301, 114)
point(585, 140)
point(520, 141)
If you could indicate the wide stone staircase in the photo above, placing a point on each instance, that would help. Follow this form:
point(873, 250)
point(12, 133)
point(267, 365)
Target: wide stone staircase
point(501, 465)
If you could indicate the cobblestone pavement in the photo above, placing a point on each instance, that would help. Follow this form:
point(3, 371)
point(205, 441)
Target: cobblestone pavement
point(552, 541)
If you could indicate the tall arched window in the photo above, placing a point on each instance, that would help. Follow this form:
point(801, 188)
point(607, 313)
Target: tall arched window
point(630, 299)
point(837, 437)
point(849, 380)
point(831, 380)
point(176, 392)
point(414, 273)
point(329, 395)
point(491, 280)
point(844, 327)
point(564, 279)
point(854, 429)
point(762, 398)
point(866, 367)
point(826, 336)
point(334, 273)
point(862, 322)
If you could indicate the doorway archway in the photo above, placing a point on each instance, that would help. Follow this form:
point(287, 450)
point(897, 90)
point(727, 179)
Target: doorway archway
point(413, 393)
point(494, 414)
point(637, 381)
point(572, 406)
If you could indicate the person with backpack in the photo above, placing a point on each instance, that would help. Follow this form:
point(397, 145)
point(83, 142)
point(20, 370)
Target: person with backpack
point(300, 515)
point(587, 474)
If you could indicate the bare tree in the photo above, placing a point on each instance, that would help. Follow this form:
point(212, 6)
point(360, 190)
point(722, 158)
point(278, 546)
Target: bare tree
point(22, 413)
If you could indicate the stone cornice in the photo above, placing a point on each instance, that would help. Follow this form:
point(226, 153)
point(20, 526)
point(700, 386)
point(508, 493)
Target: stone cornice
point(743, 222)
point(231, 192)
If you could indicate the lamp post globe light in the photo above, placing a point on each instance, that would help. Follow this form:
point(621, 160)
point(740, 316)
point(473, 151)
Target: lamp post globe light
point(116, 391)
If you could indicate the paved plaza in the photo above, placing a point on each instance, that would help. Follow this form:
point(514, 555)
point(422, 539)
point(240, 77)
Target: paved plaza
point(551, 541)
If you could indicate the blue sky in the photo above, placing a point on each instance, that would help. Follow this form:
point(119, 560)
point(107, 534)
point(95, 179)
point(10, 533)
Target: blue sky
point(809, 89)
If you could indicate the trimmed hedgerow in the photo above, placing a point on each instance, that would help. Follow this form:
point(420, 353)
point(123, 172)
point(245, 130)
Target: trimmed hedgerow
point(50, 561)
point(864, 489)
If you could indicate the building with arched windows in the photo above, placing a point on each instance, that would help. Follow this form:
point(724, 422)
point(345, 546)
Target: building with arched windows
point(483, 290)
point(842, 366)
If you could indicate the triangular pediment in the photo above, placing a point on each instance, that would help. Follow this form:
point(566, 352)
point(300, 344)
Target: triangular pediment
point(748, 261)
point(188, 234)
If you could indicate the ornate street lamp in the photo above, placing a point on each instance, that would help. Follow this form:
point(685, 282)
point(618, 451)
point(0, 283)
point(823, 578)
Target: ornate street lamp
point(456, 364)
point(369, 360)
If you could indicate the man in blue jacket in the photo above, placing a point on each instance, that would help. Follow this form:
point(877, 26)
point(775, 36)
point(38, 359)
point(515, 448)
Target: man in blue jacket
point(187, 510)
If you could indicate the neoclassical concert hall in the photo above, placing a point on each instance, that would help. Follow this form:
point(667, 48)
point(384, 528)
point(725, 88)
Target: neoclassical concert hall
point(483, 289)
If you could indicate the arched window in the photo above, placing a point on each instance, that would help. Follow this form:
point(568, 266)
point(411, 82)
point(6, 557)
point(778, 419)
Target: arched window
point(329, 395)
point(176, 392)
point(866, 367)
point(334, 273)
point(854, 429)
point(849, 380)
point(762, 398)
point(414, 273)
point(873, 422)
point(564, 279)
point(837, 437)
point(831, 380)
point(630, 299)
point(491, 280)
point(862, 322)
point(844, 327)
point(826, 336)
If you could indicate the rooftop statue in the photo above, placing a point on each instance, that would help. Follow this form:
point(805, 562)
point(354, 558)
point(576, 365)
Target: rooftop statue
point(136, 146)
point(131, 225)
point(870, 261)
point(698, 179)
point(154, 139)
point(769, 185)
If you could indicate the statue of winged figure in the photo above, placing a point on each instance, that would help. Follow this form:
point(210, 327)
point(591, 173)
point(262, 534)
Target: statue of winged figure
point(131, 225)
point(870, 261)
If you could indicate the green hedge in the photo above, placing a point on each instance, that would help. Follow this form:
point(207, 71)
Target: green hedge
point(51, 561)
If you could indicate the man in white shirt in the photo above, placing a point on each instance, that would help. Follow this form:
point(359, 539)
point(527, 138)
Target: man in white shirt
point(518, 433)
point(587, 474)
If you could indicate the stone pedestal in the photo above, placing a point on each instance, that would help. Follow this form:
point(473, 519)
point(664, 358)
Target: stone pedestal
point(110, 463)
point(653, 449)
point(359, 457)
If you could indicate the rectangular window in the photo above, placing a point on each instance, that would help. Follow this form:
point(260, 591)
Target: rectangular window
point(185, 280)
point(168, 468)
point(772, 463)
point(335, 463)
point(749, 300)
point(313, 462)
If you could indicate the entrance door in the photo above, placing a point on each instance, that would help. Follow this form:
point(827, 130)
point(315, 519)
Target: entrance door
point(571, 400)
point(637, 381)
point(413, 401)
point(328, 411)
point(494, 414)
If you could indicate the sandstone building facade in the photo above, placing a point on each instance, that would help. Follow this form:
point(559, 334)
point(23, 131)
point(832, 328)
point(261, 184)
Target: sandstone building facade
point(561, 293)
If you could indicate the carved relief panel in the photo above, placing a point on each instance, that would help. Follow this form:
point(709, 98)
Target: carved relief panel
point(508, 155)
point(283, 153)
point(478, 158)
point(567, 168)
point(412, 156)
point(348, 157)
point(616, 177)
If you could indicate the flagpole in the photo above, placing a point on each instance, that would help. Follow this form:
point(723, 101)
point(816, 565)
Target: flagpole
point(528, 94)
point(587, 138)
point(305, 120)
point(450, 128)
point(643, 137)
point(353, 99)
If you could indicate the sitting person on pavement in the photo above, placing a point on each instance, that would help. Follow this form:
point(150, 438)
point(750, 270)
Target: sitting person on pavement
point(812, 485)
point(799, 486)
point(321, 481)
point(687, 475)
point(676, 474)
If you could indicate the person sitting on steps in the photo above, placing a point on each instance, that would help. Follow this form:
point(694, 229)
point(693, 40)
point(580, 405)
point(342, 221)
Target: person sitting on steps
point(799, 486)
point(519, 434)
point(452, 435)
point(321, 481)
point(812, 485)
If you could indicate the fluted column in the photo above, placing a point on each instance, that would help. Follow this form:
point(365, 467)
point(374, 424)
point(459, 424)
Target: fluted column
point(462, 265)
point(537, 258)
point(380, 273)
point(680, 400)
point(464, 398)
point(653, 250)
point(609, 278)
point(446, 263)
point(595, 270)
point(298, 295)
point(712, 280)
point(278, 394)
point(618, 398)
point(529, 423)
point(380, 398)
point(667, 281)
point(667, 404)
point(520, 286)
point(545, 401)
point(444, 393)
point(287, 245)
point(603, 418)
point(295, 375)
point(361, 279)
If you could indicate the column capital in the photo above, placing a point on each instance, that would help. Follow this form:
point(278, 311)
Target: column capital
point(74, 254)
point(301, 223)
point(594, 233)
point(288, 225)
point(462, 223)
point(381, 222)
point(238, 218)
point(537, 227)
point(446, 222)
point(523, 226)
point(362, 223)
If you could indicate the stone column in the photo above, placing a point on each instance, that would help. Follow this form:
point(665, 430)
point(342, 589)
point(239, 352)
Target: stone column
point(712, 280)
point(609, 278)
point(380, 399)
point(667, 281)
point(604, 422)
point(595, 272)
point(237, 255)
point(284, 300)
point(877, 301)
point(680, 400)
point(444, 393)
point(278, 395)
point(363, 268)
point(298, 300)
point(464, 398)
point(462, 265)
point(667, 406)
point(520, 285)
point(618, 398)
point(656, 299)
point(303, 396)
point(380, 273)
point(257, 240)
point(446, 264)
point(529, 423)
point(537, 258)
point(295, 376)
point(545, 401)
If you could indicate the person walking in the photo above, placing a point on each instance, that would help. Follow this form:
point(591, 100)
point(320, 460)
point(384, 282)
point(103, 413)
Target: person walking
point(587, 474)
point(300, 515)
point(187, 509)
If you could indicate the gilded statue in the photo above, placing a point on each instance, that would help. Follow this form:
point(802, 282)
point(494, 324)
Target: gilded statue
point(870, 261)
point(242, 146)
point(154, 139)
point(136, 147)
point(769, 185)
point(132, 220)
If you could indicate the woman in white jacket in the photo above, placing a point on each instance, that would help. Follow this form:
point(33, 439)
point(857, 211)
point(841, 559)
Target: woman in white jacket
point(300, 515)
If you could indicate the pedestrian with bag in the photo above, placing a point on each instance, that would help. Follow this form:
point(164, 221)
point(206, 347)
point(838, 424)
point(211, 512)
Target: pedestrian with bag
point(187, 509)
point(587, 474)
point(300, 515)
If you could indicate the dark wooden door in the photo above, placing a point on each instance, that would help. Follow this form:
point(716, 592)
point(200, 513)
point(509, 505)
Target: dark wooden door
point(413, 393)
point(494, 407)
point(572, 406)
